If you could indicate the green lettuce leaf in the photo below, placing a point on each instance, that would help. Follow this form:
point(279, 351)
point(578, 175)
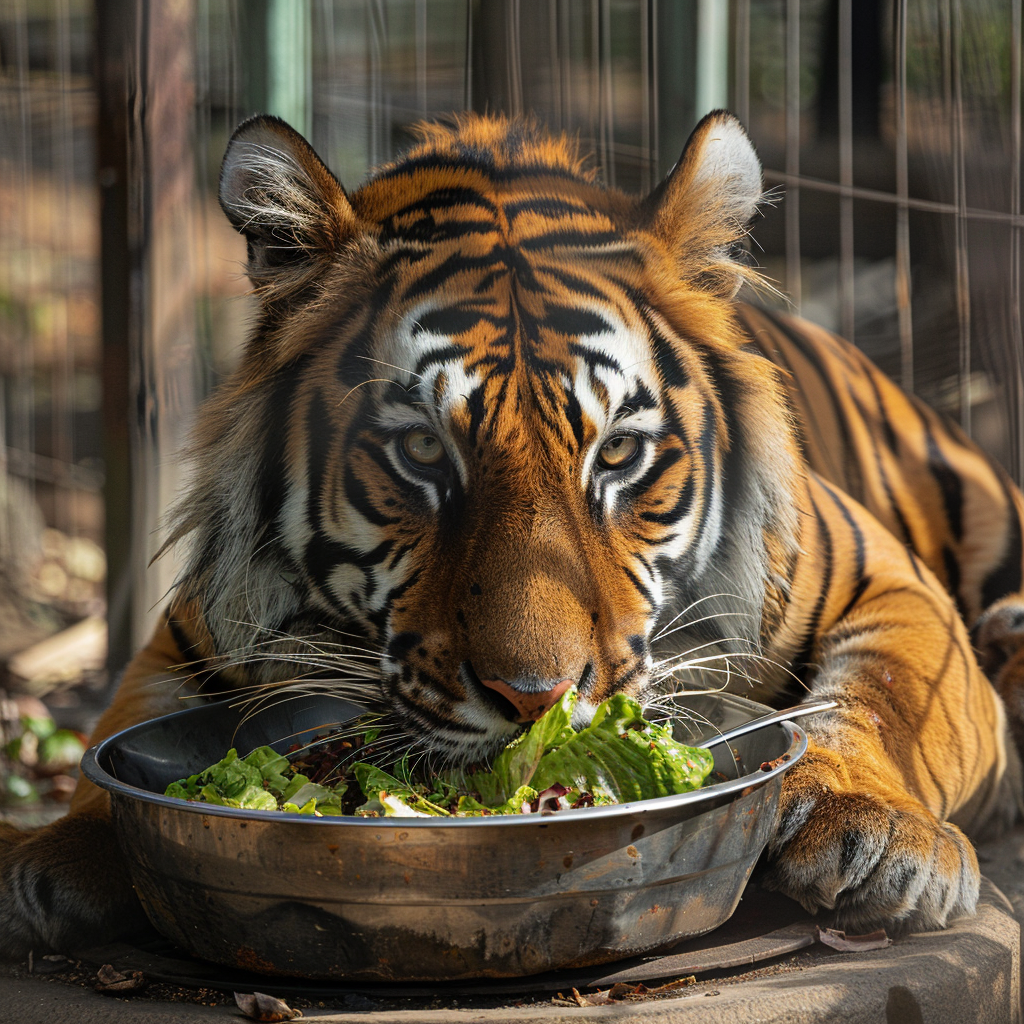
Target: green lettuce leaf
point(617, 758)
point(258, 782)
point(621, 757)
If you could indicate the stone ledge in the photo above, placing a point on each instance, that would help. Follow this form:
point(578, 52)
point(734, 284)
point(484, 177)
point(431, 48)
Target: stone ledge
point(968, 973)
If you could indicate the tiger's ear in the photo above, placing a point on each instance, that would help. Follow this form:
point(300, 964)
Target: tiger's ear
point(277, 192)
point(703, 208)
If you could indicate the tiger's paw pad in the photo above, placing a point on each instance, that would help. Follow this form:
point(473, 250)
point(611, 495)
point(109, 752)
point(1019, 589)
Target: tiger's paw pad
point(871, 863)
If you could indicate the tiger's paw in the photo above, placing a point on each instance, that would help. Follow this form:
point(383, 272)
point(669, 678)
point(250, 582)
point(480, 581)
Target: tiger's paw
point(998, 636)
point(63, 887)
point(873, 861)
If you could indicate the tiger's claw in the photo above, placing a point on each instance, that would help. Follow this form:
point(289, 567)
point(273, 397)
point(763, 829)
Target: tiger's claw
point(871, 860)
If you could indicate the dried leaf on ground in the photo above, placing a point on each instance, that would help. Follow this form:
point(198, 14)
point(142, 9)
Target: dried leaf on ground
point(671, 986)
point(623, 991)
point(259, 1006)
point(599, 998)
point(853, 943)
point(574, 999)
point(113, 982)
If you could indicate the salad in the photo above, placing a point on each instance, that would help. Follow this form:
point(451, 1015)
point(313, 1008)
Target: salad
point(618, 757)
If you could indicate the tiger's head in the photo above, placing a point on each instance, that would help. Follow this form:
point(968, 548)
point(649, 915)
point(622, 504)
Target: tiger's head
point(493, 430)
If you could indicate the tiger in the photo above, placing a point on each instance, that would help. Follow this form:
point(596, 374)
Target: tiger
point(499, 430)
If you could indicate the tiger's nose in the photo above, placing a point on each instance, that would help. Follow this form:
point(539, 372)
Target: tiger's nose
point(530, 704)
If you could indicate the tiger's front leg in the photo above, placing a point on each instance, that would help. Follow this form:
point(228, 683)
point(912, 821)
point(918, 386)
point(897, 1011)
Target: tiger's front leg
point(67, 886)
point(873, 819)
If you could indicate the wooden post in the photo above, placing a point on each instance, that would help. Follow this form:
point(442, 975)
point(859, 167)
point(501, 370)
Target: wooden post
point(150, 370)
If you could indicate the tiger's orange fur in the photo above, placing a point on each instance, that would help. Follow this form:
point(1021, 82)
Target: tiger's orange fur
point(786, 521)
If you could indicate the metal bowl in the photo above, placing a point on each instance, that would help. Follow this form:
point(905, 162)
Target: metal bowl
point(404, 899)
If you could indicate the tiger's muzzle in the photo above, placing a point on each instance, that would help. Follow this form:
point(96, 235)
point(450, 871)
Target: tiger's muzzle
point(531, 704)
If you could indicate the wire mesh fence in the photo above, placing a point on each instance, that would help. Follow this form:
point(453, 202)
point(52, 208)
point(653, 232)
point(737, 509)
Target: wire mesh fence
point(890, 131)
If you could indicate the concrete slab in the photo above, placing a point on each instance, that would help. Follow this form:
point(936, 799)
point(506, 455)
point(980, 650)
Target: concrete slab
point(968, 973)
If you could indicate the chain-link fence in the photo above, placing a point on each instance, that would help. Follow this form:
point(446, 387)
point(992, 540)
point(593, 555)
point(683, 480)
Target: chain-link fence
point(890, 131)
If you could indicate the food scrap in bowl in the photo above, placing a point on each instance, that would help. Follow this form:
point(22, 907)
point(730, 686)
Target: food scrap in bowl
point(617, 758)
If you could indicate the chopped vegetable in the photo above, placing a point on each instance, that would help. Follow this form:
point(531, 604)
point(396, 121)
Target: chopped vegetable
point(618, 757)
point(260, 781)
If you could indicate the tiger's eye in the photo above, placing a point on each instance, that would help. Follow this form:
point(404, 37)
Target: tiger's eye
point(423, 447)
point(618, 451)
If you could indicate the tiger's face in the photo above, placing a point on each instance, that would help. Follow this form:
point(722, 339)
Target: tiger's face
point(523, 479)
point(495, 420)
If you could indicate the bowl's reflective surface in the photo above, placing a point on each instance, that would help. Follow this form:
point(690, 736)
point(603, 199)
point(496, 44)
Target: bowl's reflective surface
point(429, 899)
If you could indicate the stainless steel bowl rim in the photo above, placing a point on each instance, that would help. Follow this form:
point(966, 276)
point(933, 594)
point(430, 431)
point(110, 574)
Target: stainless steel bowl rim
point(95, 773)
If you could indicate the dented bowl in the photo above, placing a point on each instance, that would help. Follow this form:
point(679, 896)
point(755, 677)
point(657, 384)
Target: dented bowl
point(423, 899)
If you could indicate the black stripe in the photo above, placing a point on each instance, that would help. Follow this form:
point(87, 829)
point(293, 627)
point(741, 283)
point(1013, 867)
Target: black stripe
point(890, 435)
point(641, 397)
point(707, 445)
point(567, 237)
point(355, 363)
point(622, 681)
point(380, 457)
point(661, 465)
point(947, 479)
point(319, 433)
point(574, 416)
point(802, 660)
point(592, 357)
point(858, 540)
point(548, 403)
point(1006, 577)
point(905, 534)
point(441, 354)
point(485, 283)
point(359, 498)
point(812, 356)
point(398, 257)
point(184, 643)
point(544, 206)
point(575, 283)
point(477, 411)
point(841, 633)
point(952, 566)
point(379, 619)
point(272, 480)
point(574, 322)
point(399, 589)
point(452, 320)
point(427, 231)
point(639, 585)
point(499, 401)
point(400, 552)
point(430, 717)
point(401, 644)
point(323, 555)
point(447, 198)
point(670, 370)
point(678, 510)
point(457, 263)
